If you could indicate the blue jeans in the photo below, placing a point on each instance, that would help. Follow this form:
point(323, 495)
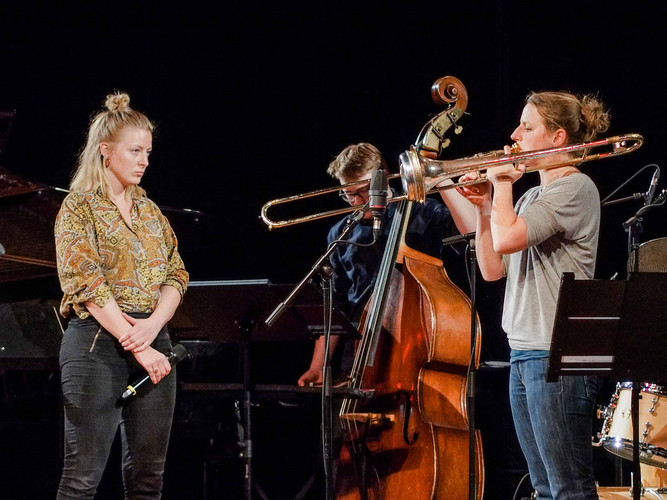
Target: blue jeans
point(95, 371)
point(553, 422)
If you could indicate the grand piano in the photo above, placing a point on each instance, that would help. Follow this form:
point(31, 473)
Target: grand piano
point(29, 324)
point(30, 334)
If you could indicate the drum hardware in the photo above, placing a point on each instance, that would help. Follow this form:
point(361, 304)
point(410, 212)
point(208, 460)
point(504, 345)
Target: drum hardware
point(605, 413)
point(642, 489)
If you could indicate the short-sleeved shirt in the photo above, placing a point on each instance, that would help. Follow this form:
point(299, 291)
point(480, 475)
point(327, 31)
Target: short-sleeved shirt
point(100, 257)
point(563, 223)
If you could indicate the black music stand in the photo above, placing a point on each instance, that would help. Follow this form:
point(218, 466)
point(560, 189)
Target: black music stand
point(616, 328)
point(30, 335)
point(233, 311)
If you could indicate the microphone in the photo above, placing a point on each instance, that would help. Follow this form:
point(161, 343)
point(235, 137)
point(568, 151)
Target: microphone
point(648, 197)
point(378, 199)
point(177, 354)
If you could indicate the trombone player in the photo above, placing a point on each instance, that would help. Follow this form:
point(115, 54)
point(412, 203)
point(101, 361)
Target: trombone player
point(553, 228)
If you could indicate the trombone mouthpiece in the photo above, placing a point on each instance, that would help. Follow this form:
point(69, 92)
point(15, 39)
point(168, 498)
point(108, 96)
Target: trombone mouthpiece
point(515, 148)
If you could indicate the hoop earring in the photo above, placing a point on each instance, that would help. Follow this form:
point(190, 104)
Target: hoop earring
point(107, 162)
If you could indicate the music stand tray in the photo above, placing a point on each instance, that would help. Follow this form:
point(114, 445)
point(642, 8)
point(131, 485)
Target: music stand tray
point(30, 335)
point(606, 327)
point(642, 338)
point(585, 328)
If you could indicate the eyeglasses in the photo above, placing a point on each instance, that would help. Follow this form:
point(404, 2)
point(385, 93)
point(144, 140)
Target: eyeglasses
point(350, 197)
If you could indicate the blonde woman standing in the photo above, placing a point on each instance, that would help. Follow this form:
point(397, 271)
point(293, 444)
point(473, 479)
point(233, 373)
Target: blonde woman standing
point(122, 279)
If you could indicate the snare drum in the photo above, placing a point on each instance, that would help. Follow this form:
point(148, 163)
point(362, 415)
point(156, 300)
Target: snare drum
point(616, 434)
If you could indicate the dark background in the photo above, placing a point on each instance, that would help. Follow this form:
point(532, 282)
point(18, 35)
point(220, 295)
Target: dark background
point(253, 100)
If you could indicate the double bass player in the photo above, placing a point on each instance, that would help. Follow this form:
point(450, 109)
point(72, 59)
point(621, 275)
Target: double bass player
point(355, 267)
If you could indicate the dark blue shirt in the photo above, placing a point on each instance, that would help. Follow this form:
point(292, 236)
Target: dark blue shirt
point(355, 268)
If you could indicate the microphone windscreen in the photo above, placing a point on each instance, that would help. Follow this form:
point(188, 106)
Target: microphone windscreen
point(379, 181)
point(178, 354)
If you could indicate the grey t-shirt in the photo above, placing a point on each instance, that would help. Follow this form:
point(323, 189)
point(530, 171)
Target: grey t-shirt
point(563, 222)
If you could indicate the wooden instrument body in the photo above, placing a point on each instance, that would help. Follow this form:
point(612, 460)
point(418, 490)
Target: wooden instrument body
point(412, 437)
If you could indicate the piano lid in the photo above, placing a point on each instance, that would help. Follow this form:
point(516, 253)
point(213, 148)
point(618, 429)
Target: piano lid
point(26, 233)
point(12, 185)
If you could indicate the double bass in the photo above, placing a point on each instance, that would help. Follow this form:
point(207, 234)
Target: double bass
point(411, 439)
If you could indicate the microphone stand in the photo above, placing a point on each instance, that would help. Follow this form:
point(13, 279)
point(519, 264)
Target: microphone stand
point(633, 226)
point(325, 271)
point(472, 370)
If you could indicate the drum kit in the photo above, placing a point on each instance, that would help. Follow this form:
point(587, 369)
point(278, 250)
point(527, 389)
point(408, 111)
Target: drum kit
point(616, 435)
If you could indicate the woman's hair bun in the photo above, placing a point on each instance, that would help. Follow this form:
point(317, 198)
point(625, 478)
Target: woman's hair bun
point(119, 101)
point(594, 115)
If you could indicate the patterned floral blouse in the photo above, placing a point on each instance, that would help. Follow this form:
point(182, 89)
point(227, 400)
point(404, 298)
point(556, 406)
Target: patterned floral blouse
point(100, 257)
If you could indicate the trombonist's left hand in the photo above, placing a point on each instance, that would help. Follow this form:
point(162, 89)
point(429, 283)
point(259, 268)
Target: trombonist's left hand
point(478, 193)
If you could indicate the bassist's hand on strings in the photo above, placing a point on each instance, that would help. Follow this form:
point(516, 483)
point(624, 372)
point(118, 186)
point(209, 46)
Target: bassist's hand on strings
point(312, 377)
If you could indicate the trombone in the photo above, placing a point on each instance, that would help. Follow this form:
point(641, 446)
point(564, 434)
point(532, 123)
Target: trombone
point(420, 175)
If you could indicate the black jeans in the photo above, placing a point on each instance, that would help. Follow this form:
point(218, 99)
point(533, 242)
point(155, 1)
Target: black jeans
point(95, 371)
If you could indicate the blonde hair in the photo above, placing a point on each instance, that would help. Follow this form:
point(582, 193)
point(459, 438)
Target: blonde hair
point(106, 126)
point(356, 160)
point(582, 117)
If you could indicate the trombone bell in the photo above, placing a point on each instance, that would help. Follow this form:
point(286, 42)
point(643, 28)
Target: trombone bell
point(412, 175)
